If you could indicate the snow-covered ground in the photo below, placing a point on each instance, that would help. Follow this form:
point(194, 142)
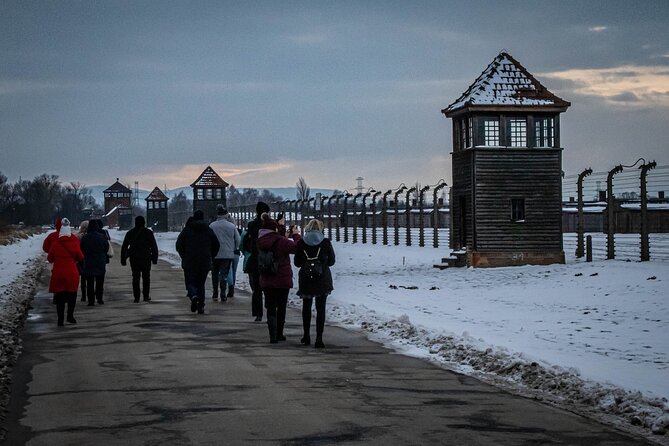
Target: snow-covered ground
point(592, 337)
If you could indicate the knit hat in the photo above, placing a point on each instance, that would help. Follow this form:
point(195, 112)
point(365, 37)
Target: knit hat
point(261, 207)
point(65, 228)
point(140, 221)
point(198, 215)
point(221, 210)
point(268, 222)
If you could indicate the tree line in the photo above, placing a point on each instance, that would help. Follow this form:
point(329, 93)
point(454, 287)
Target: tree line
point(40, 200)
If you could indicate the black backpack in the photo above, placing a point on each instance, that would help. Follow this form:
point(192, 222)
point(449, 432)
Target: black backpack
point(313, 267)
point(267, 264)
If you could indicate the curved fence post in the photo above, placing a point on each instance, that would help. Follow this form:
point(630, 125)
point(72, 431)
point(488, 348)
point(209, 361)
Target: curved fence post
point(407, 210)
point(374, 198)
point(610, 213)
point(435, 209)
point(645, 243)
point(421, 223)
point(580, 227)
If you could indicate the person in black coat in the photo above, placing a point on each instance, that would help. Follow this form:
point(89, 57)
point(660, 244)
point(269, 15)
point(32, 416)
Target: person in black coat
point(94, 245)
point(197, 245)
point(314, 256)
point(139, 245)
point(249, 245)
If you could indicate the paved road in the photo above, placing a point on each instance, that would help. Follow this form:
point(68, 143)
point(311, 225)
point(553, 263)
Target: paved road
point(156, 374)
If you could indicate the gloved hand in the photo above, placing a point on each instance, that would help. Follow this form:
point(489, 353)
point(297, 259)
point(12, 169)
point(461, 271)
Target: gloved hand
point(237, 252)
point(155, 262)
point(123, 262)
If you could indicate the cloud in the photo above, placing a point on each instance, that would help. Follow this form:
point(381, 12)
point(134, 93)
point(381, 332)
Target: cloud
point(597, 29)
point(335, 173)
point(639, 86)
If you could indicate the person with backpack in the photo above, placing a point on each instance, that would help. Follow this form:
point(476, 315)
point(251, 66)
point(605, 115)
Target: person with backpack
point(139, 245)
point(64, 252)
point(251, 268)
point(197, 245)
point(276, 274)
point(94, 245)
point(314, 256)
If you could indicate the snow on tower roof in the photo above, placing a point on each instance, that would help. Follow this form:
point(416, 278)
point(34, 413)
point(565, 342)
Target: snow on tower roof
point(505, 82)
point(156, 195)
point(209, 178)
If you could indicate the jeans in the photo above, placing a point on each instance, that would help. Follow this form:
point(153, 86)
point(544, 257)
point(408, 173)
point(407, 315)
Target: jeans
point(219, 274)
point(232, 275)
point(143, 271)
point(195, 282)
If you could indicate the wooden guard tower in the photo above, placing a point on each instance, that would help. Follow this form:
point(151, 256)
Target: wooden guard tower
point(156, 210)
point(208, 191)
point(118, 206)
point(506, 198)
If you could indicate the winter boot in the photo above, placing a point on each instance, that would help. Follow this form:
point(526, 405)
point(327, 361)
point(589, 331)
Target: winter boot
point(71, 303)
point(200, 305)
point(279, 331)
point(60, 310)
point(231, 291)
point(193, 304)
point(271, 326)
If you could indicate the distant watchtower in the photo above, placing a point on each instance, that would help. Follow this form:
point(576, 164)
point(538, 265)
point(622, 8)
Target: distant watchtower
point(506, 202)
point(156, 210)
point(208, 191)
point(118, 208)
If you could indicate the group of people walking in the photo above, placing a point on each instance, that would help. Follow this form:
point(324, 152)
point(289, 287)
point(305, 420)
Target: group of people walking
point(77, 258)
point(216, 247)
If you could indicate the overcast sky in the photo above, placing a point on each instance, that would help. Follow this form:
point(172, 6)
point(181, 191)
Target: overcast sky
point(266, 92)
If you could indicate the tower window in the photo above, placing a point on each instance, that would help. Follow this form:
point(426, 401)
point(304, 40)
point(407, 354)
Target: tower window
point(518, 209)
point(518, 132)
point(544, 132)
point(200, 194)
point(491, 131)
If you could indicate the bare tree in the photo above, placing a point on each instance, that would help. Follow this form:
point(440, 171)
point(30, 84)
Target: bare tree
point(303, 191)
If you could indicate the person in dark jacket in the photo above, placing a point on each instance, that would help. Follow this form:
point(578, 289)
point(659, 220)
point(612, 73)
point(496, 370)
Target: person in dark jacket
point(314, 249)
point(197, 245)
point(252, 230)
point(94, 245)
point(64, 253)
point(276, 286)
point(139, 245)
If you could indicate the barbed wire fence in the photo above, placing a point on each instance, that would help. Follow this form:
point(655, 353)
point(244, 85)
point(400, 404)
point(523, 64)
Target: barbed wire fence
point(420, 215)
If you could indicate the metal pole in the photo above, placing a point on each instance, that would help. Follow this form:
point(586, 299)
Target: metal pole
point(588, 248)
point(645, 243)
point(610, 213)
point(364, 215)
point(384, 218)
point(421, 223)
point(374, 196)
point(338, 220)
point(355, 222)
point(408, 212)
point(397, 213)
point(435, 204)
point(345, 221)
point(580, 227)
point(330, 216)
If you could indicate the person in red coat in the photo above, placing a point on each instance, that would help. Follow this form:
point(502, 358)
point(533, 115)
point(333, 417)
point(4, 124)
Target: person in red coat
point(64, 253)
point(277, 286)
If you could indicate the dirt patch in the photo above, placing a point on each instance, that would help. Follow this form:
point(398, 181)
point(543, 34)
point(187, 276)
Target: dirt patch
point(13, 233)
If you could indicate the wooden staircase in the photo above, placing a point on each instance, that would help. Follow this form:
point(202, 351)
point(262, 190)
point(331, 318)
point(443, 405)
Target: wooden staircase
point(457, 259)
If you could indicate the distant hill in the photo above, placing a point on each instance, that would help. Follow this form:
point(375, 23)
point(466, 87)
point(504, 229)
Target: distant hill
point(288, 193)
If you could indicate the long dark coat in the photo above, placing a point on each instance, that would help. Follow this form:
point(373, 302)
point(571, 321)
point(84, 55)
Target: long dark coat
point(139, 245)
point(249, 245)
point(306, 286)
point(197, 245)
point(94, 245)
